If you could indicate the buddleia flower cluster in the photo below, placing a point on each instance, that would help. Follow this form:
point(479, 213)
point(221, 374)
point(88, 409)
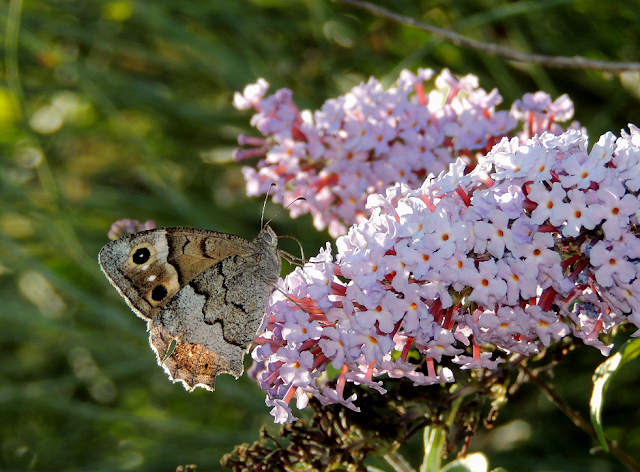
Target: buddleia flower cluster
point(537, 242)
point(128, 226)
point(370, 138)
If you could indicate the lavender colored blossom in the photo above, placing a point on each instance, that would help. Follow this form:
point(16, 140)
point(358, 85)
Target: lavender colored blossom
point(443, 273)
point(127, 226)
point(363, 142)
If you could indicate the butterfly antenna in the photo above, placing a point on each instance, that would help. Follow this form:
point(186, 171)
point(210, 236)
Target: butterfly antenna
point(285, 208)
point(264, 205)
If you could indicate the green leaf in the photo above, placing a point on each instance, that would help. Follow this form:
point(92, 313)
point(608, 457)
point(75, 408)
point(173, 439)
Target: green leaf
point(601, 379)
point(435, 439)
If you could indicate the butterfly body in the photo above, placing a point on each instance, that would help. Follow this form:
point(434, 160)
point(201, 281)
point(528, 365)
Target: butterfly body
point(202, 293)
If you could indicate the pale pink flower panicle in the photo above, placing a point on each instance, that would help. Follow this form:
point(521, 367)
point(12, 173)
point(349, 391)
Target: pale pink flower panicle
point(465, 274)
point(128, 226)
point(369, 139)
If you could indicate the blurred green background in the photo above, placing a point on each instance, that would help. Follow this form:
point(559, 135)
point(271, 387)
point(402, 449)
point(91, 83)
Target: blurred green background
point(122, 109)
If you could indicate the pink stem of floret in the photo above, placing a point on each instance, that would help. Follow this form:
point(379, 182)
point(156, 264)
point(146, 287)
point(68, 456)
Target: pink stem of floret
point(431, 368)
point(406, 348)
point(245, 140)
point(287, 398)
point(242, 154)
point(369, 374)
point(422, 98)
point(342, 380)
point(476, 353)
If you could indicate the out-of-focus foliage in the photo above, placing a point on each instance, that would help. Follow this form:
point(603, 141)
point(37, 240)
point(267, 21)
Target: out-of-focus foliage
point(122, 108)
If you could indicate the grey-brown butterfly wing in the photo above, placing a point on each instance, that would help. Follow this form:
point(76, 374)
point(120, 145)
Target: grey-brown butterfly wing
point(203, 294)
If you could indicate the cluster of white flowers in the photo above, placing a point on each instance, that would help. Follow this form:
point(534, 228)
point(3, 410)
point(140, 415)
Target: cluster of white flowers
point(370, 139)
point(536, 242)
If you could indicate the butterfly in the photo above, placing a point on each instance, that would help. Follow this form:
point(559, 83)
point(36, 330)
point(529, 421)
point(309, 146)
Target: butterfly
point(202, 293)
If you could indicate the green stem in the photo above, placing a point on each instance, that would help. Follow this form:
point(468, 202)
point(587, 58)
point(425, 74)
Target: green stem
point(398, 462)
point(435, 440)
point(578, 420)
